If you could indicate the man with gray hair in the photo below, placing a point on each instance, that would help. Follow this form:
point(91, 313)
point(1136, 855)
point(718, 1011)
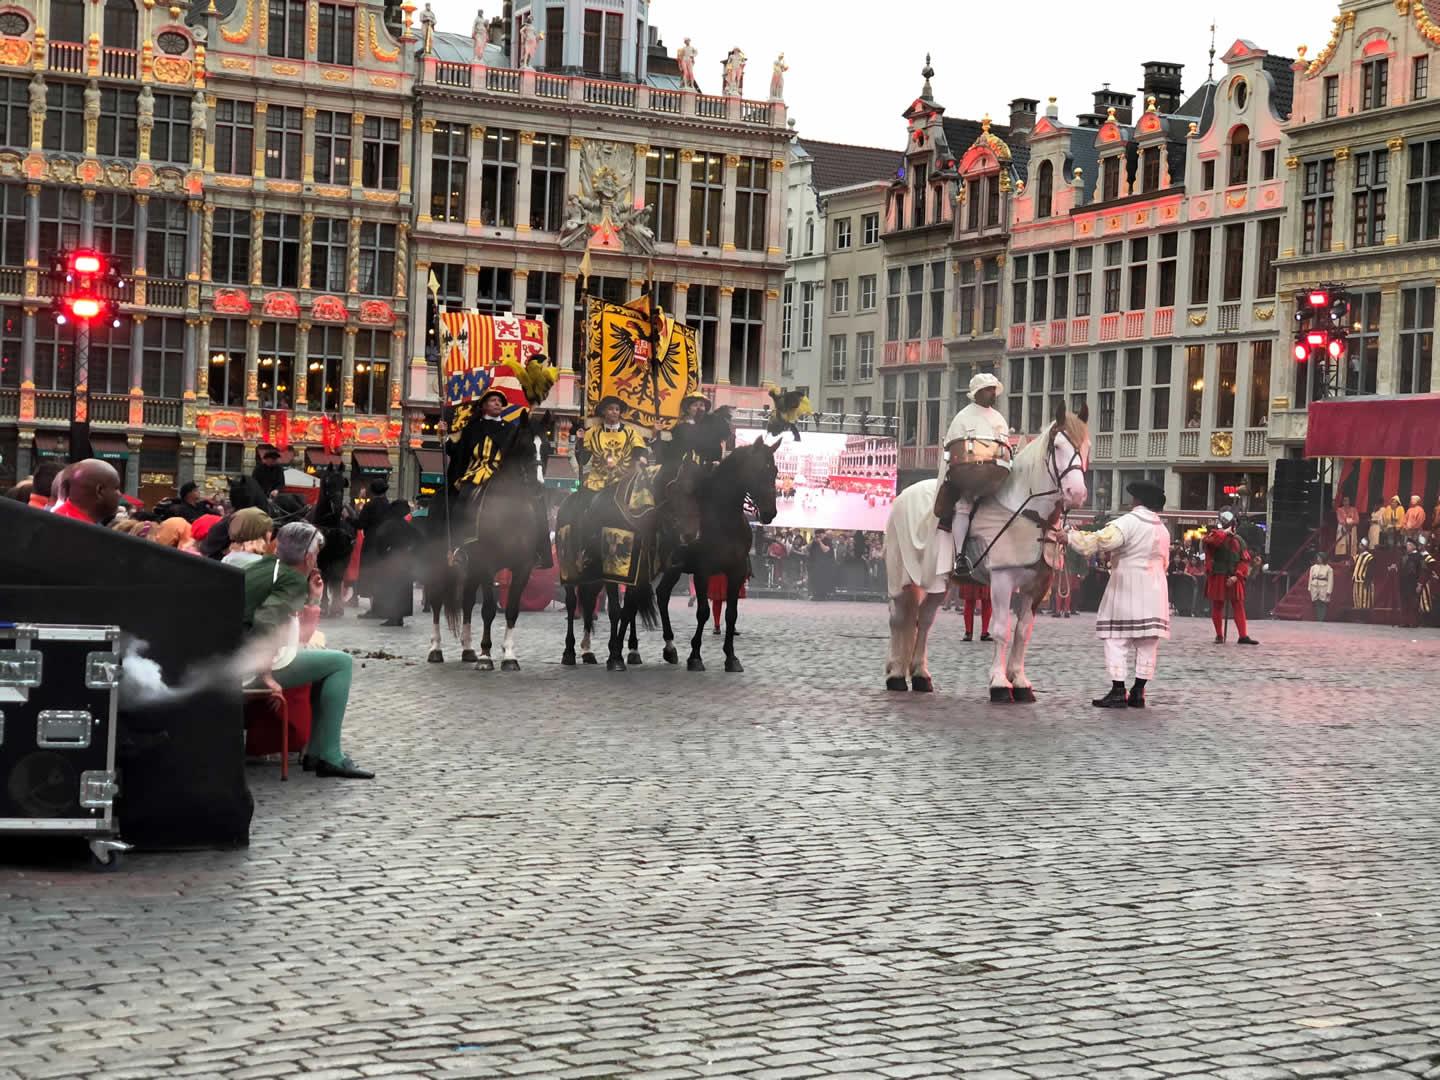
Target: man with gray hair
point(277, 588)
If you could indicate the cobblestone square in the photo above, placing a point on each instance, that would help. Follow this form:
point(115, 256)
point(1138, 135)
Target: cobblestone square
point(789, 873)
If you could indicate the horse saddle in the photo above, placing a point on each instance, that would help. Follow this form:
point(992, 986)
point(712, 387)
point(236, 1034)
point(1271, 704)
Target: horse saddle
point(970, 567)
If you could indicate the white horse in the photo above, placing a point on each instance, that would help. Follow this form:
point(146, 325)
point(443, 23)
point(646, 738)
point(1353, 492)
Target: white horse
point(1014, 528)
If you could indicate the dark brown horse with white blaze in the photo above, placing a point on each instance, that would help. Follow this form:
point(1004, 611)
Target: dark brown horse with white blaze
point(491, 529)
point(722, 548)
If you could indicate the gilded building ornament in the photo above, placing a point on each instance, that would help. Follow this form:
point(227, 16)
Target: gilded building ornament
point(334, 75)
point(1338, 26)
point(1198, 319)
point(314, 43)
point(732, 161)
point(1292, 163)
point(1264, 314)
point(385, 56)
point(241, 34)
point(1342, 153)
point(427, 125)
point(1396, 144)
point(1222, 443)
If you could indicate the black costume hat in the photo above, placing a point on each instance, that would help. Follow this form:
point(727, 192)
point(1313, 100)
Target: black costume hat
point(492, 392)
point(605, 403)
point(1151, 496)
point(686, 402)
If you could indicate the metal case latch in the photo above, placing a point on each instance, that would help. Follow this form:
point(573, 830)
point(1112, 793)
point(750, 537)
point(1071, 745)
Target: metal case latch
point(63, 729)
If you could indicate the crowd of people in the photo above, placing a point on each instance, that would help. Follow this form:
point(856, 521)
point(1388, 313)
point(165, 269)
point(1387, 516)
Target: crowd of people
point(1406, 537)
point(282, 583)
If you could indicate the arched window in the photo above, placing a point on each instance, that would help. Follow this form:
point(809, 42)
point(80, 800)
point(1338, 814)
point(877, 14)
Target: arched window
point(1044, 187)
point(1240, 155)
point(67, 20)
point(122, 25)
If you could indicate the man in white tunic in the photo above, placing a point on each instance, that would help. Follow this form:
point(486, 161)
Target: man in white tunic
point(976, 462)
point(1135, 611)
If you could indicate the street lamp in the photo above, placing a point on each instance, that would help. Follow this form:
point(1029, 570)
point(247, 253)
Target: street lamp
point(85, 287)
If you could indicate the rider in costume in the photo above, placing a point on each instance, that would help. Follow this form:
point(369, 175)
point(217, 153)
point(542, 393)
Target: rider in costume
point(1362, 589)
point(611, 447)
point(1227, 565)
point(978, 452)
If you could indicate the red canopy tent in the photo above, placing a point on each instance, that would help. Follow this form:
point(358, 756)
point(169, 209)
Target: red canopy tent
point(1383, 446)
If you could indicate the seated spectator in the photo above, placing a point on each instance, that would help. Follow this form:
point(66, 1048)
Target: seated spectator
point(90, 491)
point(201, 526)
point(174, 532)
point(277, 588)
point(20, 492)
point(251, 537)
point(42, 484)
point(134, 527)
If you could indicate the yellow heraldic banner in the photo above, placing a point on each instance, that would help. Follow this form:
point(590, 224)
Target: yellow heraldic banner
point(472, 344)
point(618, 362)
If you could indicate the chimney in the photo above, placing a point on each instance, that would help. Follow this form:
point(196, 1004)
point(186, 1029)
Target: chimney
point(1108, 99)
point(1022, 115)
point(1163, 82)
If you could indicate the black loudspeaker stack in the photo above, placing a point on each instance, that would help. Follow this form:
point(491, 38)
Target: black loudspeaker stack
point(1296, 499)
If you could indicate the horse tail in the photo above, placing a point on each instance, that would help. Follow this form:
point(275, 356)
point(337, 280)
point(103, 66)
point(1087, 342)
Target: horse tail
point(453, 591)
point(645, 608)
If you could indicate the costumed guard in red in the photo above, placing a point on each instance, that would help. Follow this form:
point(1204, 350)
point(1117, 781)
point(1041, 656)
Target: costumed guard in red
point(1226, 568)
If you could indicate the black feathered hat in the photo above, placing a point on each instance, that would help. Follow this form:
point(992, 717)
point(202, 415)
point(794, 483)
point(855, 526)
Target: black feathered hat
point(1151, 496)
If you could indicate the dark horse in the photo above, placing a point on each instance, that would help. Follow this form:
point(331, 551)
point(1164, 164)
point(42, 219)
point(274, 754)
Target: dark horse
point(722, 547)
point(332, 515)
point(492, 528)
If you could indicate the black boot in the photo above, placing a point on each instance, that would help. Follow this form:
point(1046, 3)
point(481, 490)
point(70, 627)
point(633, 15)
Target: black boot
point(1246, 639)
point(1115, 699)
point(1136, 700)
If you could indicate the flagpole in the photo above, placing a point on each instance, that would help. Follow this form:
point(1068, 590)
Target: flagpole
point(445, 416)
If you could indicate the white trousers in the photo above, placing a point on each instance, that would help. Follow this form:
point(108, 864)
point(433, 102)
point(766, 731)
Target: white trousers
point(959, 530)
point(1119, 651)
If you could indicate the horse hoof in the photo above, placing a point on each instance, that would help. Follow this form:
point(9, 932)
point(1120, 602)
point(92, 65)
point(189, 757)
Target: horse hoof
point(588, 658)
point(435, 656)
point(1024, 695)
point(614, 664)
point(468, 656)
point(694, 663)
point(733, 665)
point(485, 664)
point(895, 682)
point(634, 658)
point(670, 655)
point(509, 665)
point(921, 684)
point(1001, 695)
point(568, 658)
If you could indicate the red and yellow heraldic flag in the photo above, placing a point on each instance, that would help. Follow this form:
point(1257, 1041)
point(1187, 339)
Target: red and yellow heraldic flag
point(620, 361)
point(472, 344)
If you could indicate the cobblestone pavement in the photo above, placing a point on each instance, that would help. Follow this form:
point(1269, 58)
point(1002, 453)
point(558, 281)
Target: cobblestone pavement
point(790, 873)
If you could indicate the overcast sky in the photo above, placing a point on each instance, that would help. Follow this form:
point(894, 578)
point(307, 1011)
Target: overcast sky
point(855, 66)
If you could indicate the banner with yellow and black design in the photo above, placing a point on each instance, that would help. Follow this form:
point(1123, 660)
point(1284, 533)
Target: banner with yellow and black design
point(643, 357)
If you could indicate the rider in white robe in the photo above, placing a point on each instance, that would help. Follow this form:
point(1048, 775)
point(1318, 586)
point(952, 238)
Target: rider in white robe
point(976, 461)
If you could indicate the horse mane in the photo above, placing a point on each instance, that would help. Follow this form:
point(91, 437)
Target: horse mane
point(1075, 430)
point(245, 491)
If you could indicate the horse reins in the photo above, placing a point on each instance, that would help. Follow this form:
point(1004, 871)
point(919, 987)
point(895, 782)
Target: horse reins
point(1048, 533)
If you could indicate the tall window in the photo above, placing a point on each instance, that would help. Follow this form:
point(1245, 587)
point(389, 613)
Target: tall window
point(165, 238)
point(1084, 258)
point(1060, 286)
point(602, 42)
point(333, 141)
point(1233, 277)
point(1110, 179)
point(1200, 241)
point(449, 297)
point(1225, 369)
point(1139, 273)
point(1362, 348)
point(1111, 279)
point(840, 296)
point(449, 171)
point(990, 296)
point(1160, 390)
point(838, 359)
point(543, 300)
point(1079, 380)
point(54, 355)
point(59, 218)
point(14, 113)
point(170, 137)
point(12, 225)
point(114, 226)
point(377, 259)
point(992, 201)
point(1317, 207)
point(67, 20)
point(1169, 248)
point(325, 358)
point(1420, 79)
point(1260, 383)
point(1269, 250)
point(547, 183)
point(1040, 284)
point(842, 234)
point(1417, 339)
point(234, 136)
point(867, 292)
point(787, 315)
point(162, 374)
point(1375, 84)
point(1150, 168)
point(380, 153)
point(65, 118)
point(864, 356)
point(117, 134)
point(287, 29)
point(499, 173)
point(1240, 155)
point(1372, 178)
point(280, 252)
point(869, 229)
point(1194, 384)
point(336, 41)
point(228, 350)
point(1422, 192)
point(1331, 106)
point(707, 191)
point(807, 314)
point(230, 246)
point(752, 197)
point(937, 299)
point(747, 323)
point(329, 254)
point(1106, 397)
point(1044, 189)
point(1130, 401)
point(965, 297)
point(109, 358)
point(1020, 290)
point(372, 372)
point(662, 190)
point(554, 38)
point(702, 311)
point(283, 142)
point(914, 301)
point(121, 25)
point(919, 177)
point(1207, 175)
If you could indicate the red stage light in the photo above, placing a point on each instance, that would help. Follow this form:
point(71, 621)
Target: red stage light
point(87, 262)
point(85, 307)
point(1302, 353)
point(1337, 349)
point(1319, 299)
point(1316, 338)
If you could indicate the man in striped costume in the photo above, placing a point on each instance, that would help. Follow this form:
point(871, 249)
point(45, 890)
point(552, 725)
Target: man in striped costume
point(1135, 611)
point(1362, 589)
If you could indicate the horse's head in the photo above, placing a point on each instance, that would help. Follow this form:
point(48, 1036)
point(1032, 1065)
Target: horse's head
point(1070, 454)
point(757, 477)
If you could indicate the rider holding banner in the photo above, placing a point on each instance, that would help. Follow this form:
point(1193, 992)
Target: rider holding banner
point(611, 447)
point(978, 452)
